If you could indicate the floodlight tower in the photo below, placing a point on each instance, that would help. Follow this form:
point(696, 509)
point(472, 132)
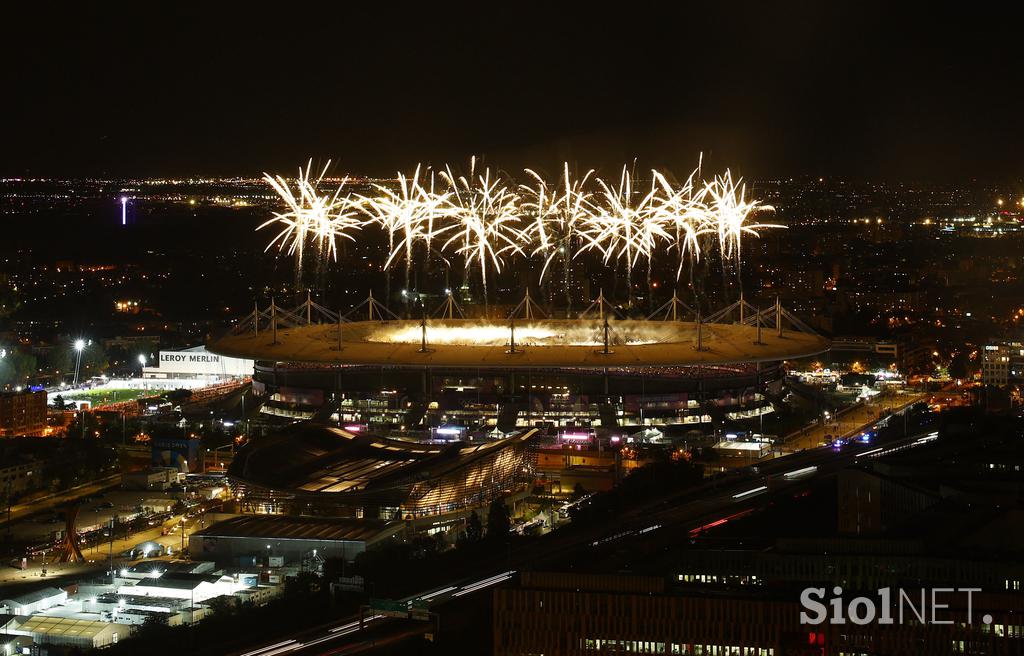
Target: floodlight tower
point(79, 347)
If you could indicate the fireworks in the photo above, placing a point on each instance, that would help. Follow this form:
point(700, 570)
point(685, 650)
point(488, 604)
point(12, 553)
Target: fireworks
point(408, 213)
point(558, 214)
point(487, 219)
point(685, 211)
point(730, 210)
point(483, 219)
point(311, 216)
point(528, 333)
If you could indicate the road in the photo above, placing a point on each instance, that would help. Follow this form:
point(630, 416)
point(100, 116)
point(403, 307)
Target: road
point(172, 539)
point(691, 513)
point(97, 556)
point(20, 510)
point(853, 420)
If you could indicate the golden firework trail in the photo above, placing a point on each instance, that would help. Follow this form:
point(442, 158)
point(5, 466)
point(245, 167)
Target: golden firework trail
point(311, 216)
point(483, 218)
point(731, 210)
point(486, 220)
point(557, 213)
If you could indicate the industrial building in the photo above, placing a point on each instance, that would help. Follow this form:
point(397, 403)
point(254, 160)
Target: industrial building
point(33, 602)
point(582, 614)
point(197, 363)
point(178, 585)
point(258, 540)
point(68, 632)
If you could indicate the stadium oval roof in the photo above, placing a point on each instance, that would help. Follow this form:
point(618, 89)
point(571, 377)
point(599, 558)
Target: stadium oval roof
point(633, 343)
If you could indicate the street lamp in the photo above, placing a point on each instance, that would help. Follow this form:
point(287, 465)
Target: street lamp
point(142, 359)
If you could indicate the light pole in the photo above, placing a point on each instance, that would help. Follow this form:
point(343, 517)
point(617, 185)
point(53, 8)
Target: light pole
point(110, 548)
point(79, 347)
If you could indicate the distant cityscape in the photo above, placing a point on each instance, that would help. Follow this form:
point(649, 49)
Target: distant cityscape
point(192, 459)
point(525, 330)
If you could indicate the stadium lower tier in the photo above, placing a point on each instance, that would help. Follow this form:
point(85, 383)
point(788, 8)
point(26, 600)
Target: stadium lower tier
point(422, 399)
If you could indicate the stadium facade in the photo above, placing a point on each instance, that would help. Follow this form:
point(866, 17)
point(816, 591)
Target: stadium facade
point(596, 372)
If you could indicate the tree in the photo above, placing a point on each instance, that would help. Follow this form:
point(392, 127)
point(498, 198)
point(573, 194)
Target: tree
point(178, 396)
point(578, 492)
point(8, 300)
point(58, 403)
point(474, 529)
point(499, 520)
point(959, 366)
point(16, 367)
point(91, 427)
point(222, 605)
point(302, 584)
point(63, 357)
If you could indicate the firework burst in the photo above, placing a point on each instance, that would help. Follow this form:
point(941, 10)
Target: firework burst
point(311, 216)
point(557, 214)
point(731, 211)
point(486, 220)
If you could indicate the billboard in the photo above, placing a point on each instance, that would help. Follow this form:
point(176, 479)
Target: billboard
point(181, 454)
point(199, 361)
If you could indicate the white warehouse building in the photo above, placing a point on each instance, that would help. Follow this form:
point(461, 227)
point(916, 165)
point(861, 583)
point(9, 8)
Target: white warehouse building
point(197, 363)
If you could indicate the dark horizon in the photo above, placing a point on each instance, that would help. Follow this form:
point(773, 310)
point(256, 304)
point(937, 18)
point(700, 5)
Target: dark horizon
point(866, 93)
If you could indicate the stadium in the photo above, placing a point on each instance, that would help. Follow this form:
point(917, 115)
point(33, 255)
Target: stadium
point(398, 419)
point(452, 378)
point(362, 408)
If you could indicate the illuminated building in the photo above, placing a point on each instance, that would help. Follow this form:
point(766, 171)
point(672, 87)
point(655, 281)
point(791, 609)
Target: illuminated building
point(416, 375)
point(1002, 363)
point(22, 413)
point(347, 473)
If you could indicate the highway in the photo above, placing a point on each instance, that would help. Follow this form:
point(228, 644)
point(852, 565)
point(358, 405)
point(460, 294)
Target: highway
point(851, 420)
point(691, 513)
point(52, 501)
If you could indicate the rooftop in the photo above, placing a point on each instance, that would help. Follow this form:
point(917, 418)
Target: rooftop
point(567, 343)
point(316, 459)
point(33, 597)
point(281, 527)
point(62, 626)
point(177, 581)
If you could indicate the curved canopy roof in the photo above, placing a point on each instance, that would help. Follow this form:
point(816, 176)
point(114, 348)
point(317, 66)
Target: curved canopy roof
point(576, 343)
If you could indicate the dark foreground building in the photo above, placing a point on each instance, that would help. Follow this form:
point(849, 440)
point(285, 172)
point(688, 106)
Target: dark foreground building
point(570, 614)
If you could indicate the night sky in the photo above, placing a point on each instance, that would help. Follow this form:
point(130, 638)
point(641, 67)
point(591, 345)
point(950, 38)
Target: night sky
point(864, 91)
